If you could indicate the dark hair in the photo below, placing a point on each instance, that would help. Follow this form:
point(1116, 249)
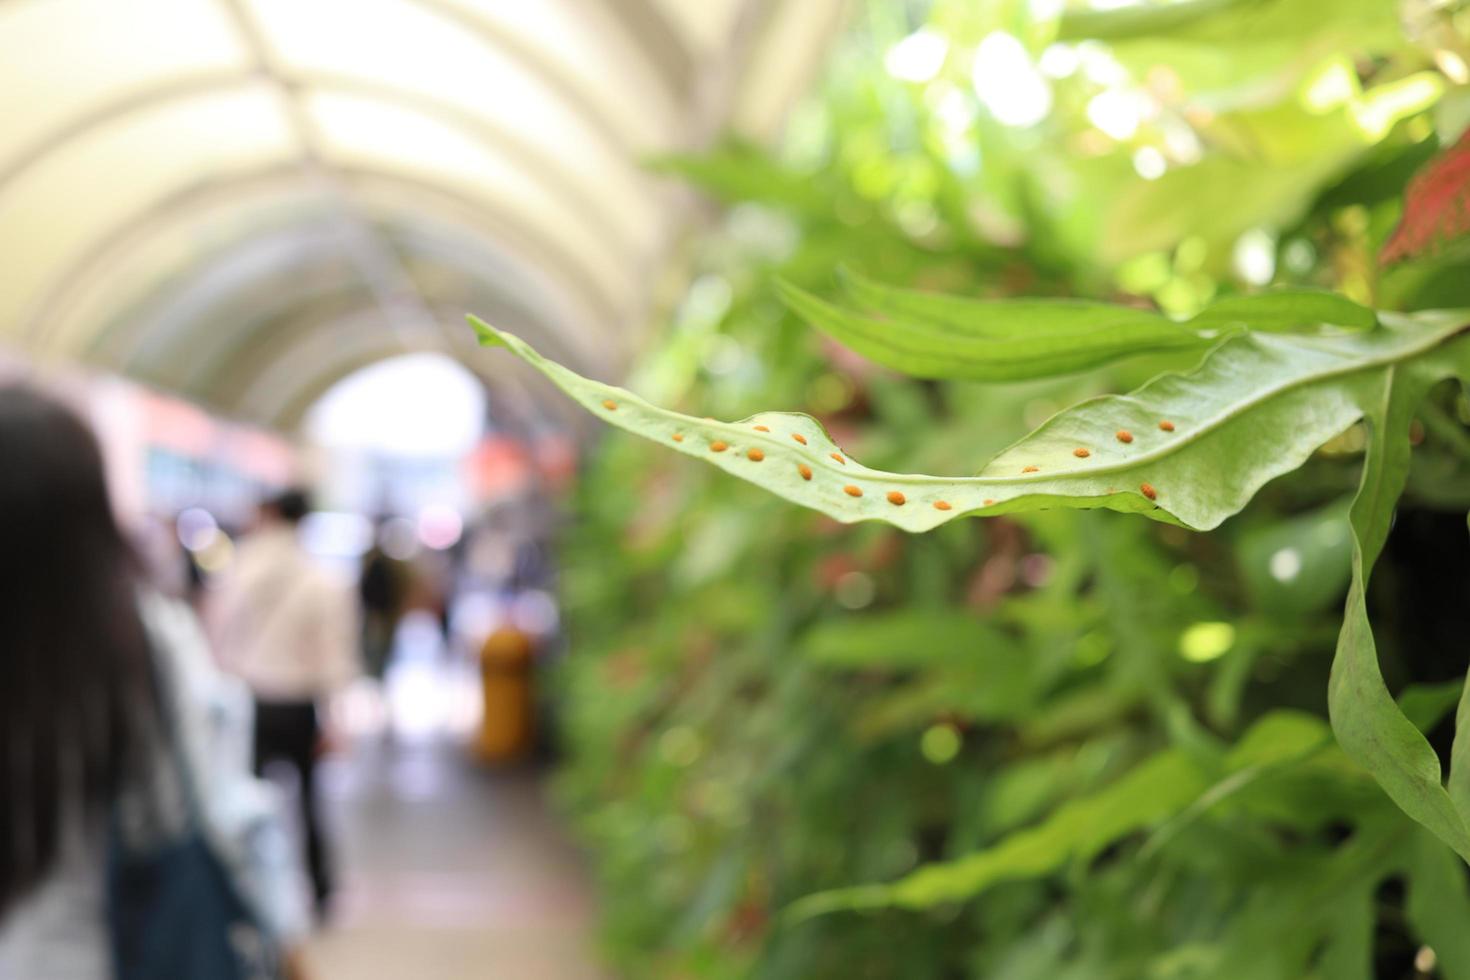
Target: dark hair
point(290, 505)
point(75, 680)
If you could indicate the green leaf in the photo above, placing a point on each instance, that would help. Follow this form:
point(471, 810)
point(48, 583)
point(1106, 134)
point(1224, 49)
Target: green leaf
point(1004, 690)
point(1279, 740)
point(937, 336)
point(1348, 951)
point(1153, 791)
point(1256, 408)
point(1283, 735)
point(1285, 309)
point(1274, 310)
point(1369, 725)
point(908, 638)
point(977, 671)
point(1426, 704)
point(1459, 782)
point(1438, 905)
point(995, 319)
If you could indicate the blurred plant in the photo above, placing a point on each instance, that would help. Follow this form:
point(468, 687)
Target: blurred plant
point(1049, 744)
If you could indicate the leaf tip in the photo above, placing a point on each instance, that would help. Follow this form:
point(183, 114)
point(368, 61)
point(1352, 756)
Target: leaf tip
point(488, 335)
point(856, 898)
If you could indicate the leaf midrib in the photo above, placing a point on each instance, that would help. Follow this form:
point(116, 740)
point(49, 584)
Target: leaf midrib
point(1004, 350)
point(1199, 432)
point(753, 437)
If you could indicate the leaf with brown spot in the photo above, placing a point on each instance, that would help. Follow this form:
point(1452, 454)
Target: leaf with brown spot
point(1256, 407)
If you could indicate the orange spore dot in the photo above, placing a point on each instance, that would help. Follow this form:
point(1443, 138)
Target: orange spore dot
point(755, 455)
point(1124, 435)
point(838, 457)
point(799, 437)
point(761, 428)
point(896, 499)
point(718, 446)
point(1029, 469)
point(1081, 453)
point(1148, 491)
point(988, 502)
point(804, 470)
point(941, 505)
point(609, 404)
point(852, 491)
point(1166, 425)
point(678, 437)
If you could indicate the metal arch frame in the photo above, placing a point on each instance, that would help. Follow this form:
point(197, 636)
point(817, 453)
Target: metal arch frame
point(652, 34)
point(95, 258)
point(181, 203)
point(114, 340)
point(260, 358)
point(233, 336)
point(170, 90)
point(563, 83)
point(541, 167)
point(201, 87)
point(562, 328)
point(294, 398)
point(153, 318)
point(253, 345)
point(536, 164)
point(672, 60)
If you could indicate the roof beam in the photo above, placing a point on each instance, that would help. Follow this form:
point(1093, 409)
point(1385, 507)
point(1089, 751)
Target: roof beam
point(394, 290)
point(659, 42)
point(500, 140)
point(119, 241)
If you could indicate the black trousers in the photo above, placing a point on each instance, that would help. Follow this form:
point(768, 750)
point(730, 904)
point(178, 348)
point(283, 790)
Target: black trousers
point(287, 731)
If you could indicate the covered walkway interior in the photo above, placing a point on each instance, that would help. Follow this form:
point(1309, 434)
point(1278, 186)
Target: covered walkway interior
point(242, 201)
point(233, 205)
point(449, 870)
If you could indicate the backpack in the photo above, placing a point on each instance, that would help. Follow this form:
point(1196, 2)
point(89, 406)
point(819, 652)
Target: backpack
point(173, 910)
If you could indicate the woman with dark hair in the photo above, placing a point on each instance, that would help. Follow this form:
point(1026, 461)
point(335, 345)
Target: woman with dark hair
point(127, 813)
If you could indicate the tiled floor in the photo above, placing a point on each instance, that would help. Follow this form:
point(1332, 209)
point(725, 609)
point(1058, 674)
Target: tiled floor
point(447, 870)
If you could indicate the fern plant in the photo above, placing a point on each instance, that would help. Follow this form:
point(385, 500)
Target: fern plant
point(1282, 373)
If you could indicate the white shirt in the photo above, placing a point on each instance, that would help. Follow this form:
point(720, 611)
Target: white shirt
point(281, 623)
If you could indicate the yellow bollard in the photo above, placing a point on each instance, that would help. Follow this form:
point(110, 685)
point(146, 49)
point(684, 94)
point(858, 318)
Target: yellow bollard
point(505, 677)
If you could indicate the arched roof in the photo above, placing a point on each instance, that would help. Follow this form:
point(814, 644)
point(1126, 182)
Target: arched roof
point(241, 200)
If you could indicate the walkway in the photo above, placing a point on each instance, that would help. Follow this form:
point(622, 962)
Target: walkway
point(447, 870)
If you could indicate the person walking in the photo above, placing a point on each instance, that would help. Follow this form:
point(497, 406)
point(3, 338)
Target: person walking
point(134, 841)
point(382, 589)
point(288, 630)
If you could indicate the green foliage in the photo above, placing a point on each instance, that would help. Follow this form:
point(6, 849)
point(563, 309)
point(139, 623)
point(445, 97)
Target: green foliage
point(1077, 831)
point(993, 340)
point(1368, 724)
point(1256, 407)
point(1053, 743)
point(929, 335)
